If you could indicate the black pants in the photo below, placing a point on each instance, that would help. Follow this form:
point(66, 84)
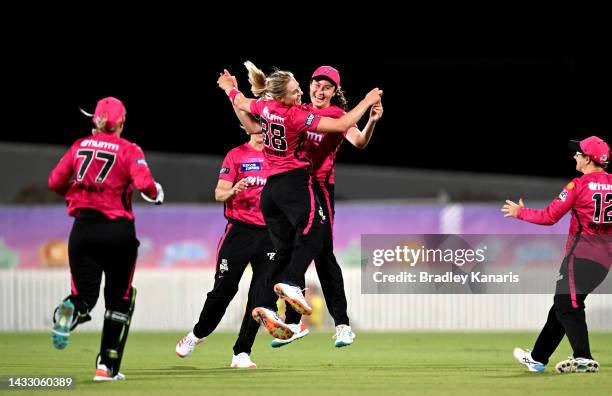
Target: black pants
point(240, 245)
point(328, 270)
point(99, 245)
point(578, 278)
point(294, 219)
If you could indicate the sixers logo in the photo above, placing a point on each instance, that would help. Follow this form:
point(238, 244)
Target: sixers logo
point(309, 119)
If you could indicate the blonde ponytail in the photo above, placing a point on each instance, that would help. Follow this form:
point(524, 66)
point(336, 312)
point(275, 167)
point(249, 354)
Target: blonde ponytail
point(273, 86)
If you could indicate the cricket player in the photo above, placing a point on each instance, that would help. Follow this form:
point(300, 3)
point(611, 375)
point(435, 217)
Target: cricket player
point(96, 177)
point(327, 99)
point(288, 201)
point(587, 260)
point(245, 240)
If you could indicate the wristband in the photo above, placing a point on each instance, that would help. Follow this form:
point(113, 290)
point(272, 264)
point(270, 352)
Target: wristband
point(233, 93)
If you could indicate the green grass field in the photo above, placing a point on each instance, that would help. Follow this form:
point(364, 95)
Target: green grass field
point(376, 364)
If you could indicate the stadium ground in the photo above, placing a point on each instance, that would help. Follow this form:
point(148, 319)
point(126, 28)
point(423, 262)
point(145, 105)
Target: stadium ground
point(377, 364)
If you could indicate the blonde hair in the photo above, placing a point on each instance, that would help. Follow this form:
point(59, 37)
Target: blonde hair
point(272, 86)
point(101, 124)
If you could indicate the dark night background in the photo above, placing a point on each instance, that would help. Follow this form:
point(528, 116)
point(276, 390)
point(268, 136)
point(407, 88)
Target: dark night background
point(504, 113)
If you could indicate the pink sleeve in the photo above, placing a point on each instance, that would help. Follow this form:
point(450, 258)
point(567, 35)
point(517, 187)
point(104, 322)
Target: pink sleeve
point(228, 169)
point(140, 173)
point(256, 106)
point(554, 211)
point(302, 119)
point(59, 178)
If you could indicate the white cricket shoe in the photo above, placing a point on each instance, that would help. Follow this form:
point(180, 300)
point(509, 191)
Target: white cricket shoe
point(344, 336)
point(187, 344)
point(577, 365)
point(299, 331)
point(523, 356)
point(294, 296)
point(103, 373)
point(242, 360)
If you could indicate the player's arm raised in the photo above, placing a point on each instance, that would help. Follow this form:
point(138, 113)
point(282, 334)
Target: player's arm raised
point(547, 216)
point(360, 139)
point(339, 125)
point(249, 123)
point(227, 83)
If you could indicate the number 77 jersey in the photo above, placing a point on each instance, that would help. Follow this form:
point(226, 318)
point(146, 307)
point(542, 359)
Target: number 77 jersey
point(284, 129)
point(99, 172)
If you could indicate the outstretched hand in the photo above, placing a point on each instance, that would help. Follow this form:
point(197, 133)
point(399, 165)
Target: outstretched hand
point(511, 209)
point(376, 111)
point(373, 96)
point(226, 81)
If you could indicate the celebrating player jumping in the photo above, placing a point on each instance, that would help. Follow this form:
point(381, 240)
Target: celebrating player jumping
point(288, 202)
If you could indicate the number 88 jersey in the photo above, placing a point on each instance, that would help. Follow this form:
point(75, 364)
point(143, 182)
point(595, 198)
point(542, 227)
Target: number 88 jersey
point(284, 128)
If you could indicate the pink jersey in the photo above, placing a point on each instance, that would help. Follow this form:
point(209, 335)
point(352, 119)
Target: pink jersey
point(322, 147)
point(589, 197)
point(284, 130)
point(245, 162)
point(98, 172)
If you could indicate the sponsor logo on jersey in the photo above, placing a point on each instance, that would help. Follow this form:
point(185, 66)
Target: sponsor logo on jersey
point(99, 144)
point(569, 186)
point(563, 195)
point(317, 137)
point(141, 161)
point(271, 256)
point(594, 186)
point(224, 171)
point(272, 117)
point(250, 166)
point(256, 180)
point(310, 119)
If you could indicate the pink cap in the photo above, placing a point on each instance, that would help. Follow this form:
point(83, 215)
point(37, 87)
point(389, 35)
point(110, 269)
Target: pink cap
point(328, 72)
point(594, 147)
point(114, 110)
